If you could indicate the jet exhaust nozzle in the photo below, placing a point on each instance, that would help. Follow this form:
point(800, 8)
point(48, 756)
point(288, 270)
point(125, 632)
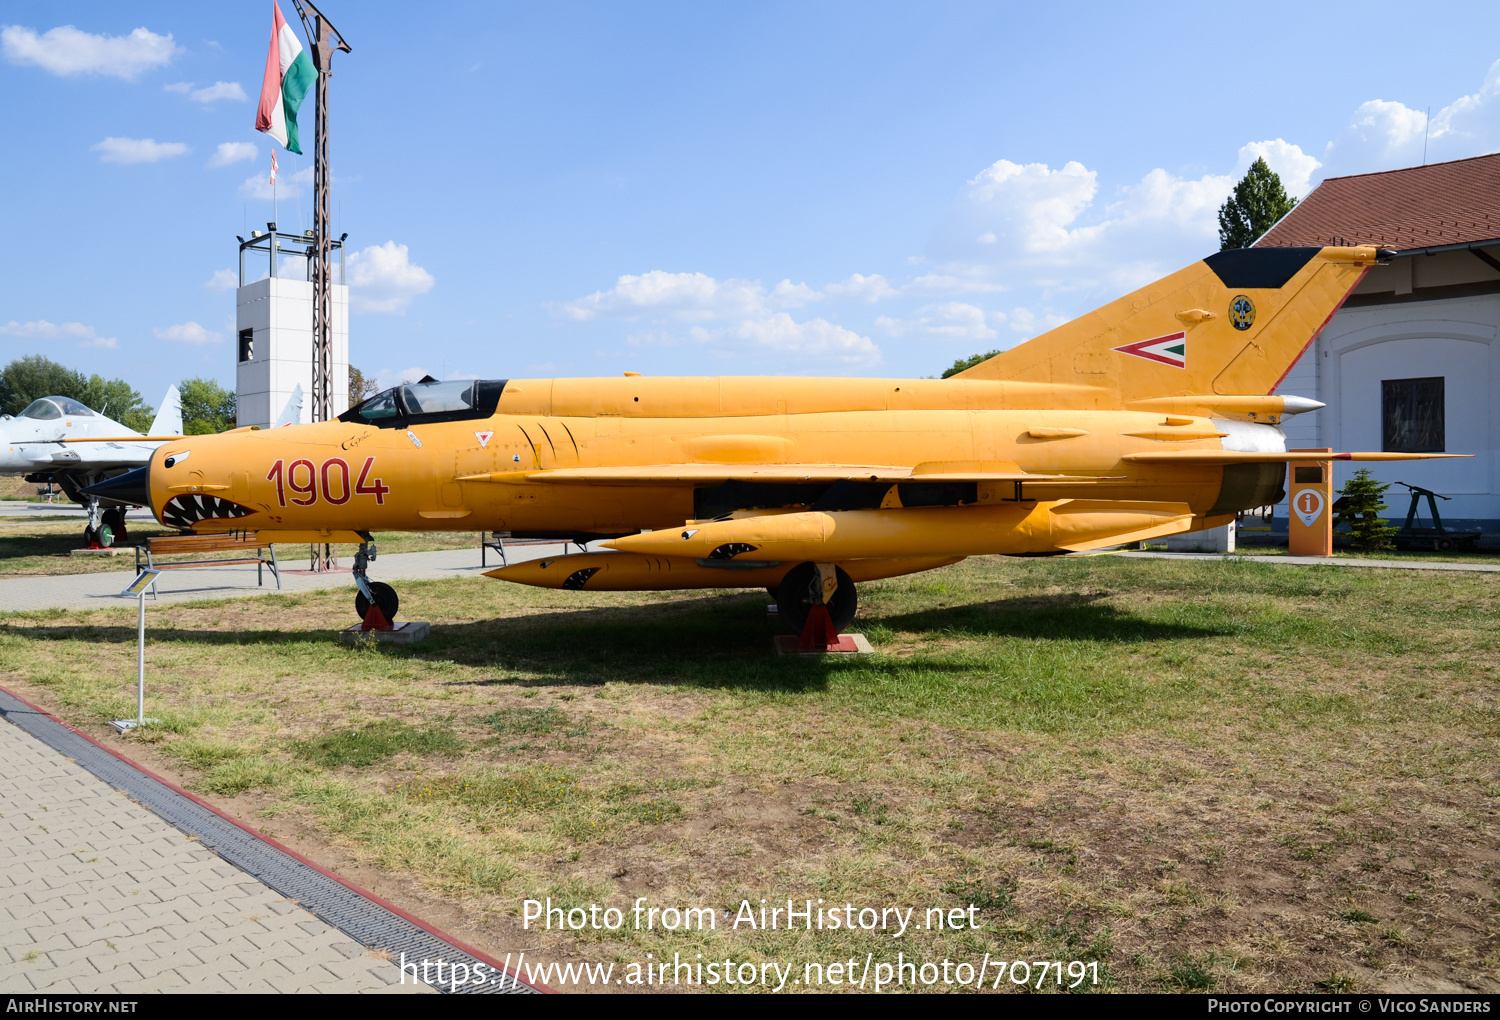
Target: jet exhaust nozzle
point(132, 487)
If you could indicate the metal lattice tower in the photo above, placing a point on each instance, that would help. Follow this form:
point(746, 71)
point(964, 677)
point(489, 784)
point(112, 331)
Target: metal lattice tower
point(325, 40)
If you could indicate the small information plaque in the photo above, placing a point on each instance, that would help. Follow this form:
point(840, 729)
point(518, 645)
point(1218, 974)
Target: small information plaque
point(140, 584)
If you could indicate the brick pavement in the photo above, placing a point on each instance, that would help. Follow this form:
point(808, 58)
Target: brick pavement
point(97, 894)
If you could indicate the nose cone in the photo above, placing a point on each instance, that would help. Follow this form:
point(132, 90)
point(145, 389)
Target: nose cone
point(133, 487)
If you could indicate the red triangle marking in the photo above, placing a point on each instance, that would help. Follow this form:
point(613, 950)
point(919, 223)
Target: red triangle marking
point(1139, 349)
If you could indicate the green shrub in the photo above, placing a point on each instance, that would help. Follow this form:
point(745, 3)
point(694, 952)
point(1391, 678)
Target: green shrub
point(1359, 506)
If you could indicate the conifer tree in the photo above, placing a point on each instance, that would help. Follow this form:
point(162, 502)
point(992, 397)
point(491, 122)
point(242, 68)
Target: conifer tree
point(1257, 203)
point(1359, 506)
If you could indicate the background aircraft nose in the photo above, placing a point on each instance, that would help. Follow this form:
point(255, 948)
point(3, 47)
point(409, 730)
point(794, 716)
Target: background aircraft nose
point(134, 486)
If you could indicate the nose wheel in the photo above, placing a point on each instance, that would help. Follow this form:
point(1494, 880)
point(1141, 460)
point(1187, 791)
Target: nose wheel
point(376, 602)
point(382, 596)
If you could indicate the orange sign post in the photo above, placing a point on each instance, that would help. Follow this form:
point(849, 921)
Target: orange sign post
point(1310, 517)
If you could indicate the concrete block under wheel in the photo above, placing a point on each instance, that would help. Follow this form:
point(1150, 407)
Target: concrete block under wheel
point(408, 633)
point(786, 644)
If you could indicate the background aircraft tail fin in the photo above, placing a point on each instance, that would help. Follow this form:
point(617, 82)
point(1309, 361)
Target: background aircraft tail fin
point(1234, 323)
point(168, 420)
point(292, 413)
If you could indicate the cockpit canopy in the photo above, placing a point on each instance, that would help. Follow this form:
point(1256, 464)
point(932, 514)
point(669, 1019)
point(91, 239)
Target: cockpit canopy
point(48, 408)
point(430, 400)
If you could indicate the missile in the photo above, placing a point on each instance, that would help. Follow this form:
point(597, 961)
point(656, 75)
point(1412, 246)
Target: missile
point(617, 571)
point(834, 537)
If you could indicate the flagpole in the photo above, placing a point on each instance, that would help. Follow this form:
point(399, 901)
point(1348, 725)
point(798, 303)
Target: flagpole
point(324, 40)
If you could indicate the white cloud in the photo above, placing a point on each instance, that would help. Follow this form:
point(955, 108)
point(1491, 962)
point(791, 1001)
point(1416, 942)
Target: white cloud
point(288, 185)
point(223, 279)
point(386, 378)
point(817, 338)
point(67, 51)
point(383, 279)
point(1292, 165)
point(41, 329)
point(688, 297)
point(951, 321)
point(1033, 226)
point(942, 284)
point(1384, 134)
point(137, 150)
point(187, 333)
point(859, 287)
point(1024, 320)
point(232, 152)
point(209, 93)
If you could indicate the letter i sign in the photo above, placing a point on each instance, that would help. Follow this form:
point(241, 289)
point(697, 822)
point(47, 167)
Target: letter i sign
point(1309, 506)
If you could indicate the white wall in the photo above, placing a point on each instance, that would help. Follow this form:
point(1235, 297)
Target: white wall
point(280, 312)
point(1457, 338)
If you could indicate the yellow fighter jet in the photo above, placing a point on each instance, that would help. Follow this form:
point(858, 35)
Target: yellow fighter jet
point(1150, 416)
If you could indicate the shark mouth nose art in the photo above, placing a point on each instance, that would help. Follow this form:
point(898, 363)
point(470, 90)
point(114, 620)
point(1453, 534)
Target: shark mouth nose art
point(186, 510)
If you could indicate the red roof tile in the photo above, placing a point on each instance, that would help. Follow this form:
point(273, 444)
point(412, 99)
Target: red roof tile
point(1418, 207)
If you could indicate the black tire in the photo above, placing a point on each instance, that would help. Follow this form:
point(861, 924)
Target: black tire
point(115, 518)
point(385, 598)
point(90, 538)
point(794, 598)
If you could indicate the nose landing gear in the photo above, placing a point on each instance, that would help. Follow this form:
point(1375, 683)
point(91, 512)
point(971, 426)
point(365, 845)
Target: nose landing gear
point(105, 528)
point(376, 602)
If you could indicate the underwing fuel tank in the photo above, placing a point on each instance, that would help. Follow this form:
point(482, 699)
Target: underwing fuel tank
point(619, 571)
point(835, 537)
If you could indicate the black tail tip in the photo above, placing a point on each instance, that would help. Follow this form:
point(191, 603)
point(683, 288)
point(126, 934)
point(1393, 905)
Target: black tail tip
point(133, 488)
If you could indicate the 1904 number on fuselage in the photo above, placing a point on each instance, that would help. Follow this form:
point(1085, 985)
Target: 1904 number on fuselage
point(330, 483)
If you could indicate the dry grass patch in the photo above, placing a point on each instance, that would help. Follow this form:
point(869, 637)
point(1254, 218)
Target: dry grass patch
point(1200, 775)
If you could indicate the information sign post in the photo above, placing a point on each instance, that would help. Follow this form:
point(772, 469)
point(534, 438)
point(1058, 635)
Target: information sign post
point(138, 588)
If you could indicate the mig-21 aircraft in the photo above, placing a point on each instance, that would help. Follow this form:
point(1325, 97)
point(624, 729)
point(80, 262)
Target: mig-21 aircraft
point(43, 443)
point(1154, 415)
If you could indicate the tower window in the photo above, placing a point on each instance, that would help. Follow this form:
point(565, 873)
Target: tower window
point(247, 345)
point(1412, 412)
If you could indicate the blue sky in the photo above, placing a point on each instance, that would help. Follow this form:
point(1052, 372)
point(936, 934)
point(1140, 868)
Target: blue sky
point(581, 189)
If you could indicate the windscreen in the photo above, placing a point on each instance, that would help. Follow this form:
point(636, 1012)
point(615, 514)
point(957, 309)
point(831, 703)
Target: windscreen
point(381, 405)
point(41, 408)
point(439, 397)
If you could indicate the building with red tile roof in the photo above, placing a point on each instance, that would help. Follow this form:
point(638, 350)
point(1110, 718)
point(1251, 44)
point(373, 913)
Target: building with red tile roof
point(1413, 357)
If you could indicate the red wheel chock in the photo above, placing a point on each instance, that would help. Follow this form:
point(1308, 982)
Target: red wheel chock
point(375, 620)
point(820, 635)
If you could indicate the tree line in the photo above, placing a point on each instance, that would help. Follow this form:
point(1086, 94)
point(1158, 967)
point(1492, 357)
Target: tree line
point(207, 407)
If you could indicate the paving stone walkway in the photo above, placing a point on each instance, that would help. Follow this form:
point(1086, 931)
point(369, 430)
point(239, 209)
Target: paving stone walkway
point(97, 894)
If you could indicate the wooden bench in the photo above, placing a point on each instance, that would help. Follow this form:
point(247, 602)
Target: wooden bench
point(243, 547)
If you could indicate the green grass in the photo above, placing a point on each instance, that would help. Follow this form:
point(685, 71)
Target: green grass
point(375, 742)
point(1186, 771)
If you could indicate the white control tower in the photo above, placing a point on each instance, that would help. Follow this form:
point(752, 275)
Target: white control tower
point(274, 321)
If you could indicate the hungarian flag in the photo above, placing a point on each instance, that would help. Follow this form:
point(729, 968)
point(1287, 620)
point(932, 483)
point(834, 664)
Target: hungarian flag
point(289, 74)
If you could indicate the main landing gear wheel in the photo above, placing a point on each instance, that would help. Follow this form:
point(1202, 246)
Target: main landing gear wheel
point(114, 519)
point(795, 597)
point(385, 598)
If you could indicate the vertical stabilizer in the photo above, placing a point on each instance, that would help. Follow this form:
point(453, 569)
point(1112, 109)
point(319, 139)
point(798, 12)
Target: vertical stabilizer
point(292, 413)
point(168, 420)
point(1234, 323)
